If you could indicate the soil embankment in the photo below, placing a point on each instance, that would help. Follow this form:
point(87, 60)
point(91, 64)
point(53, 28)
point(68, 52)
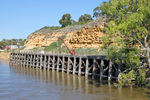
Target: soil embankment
point(5, 56)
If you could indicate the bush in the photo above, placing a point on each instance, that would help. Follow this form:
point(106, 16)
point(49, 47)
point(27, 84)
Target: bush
point(125, 79)
point(141, 78)
point(52, 46)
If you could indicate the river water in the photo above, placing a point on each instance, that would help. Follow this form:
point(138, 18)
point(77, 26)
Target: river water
point(25, 83)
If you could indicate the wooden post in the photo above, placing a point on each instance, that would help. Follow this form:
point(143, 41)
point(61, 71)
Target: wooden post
point(53, 65)
point(27, 60)
point(41, 61)
point(119, 71)
point(74, 65)
point(93, 69)
point(45, 61)
point(68, 65)
point(21, 60)
point(63, 61)
point(101, 70)
point(31, 60)
point(57, 63)
point(34, 57)
point(79, 70)
point(37, 61)
point(18, 62)
point(48, 67)
point(24, 61)
point(86, 67)
point(109, 70)
point(16, 59)
point(10, 59)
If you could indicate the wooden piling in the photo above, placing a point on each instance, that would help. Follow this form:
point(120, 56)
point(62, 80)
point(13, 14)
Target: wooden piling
point(109, 71)
point(74, 64)
point(79, 69)
point(86, 67)
point(68, 65)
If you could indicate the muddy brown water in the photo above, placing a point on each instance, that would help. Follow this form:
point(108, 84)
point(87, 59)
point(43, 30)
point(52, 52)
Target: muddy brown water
point(25, 83)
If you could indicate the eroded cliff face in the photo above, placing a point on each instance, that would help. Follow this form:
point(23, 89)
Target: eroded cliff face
point(81, 36)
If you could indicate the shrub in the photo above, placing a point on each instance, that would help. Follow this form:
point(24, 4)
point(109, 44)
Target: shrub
point(52, 46)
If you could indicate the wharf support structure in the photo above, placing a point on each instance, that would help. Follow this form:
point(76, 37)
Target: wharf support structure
point(95, 66)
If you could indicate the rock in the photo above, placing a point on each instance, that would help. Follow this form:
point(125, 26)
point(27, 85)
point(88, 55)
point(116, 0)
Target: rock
point(80, 36)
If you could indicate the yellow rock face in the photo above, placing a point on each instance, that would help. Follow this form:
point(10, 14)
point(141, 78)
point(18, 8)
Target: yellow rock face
point(86, 36)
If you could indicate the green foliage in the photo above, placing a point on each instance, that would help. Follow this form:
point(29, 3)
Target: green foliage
point(79, 23)
point(129, 22)
point(2, 45)
point(6, 42)
point(22, 42)
point(64, 24)
point(85, 18)
point(54, 45)
point(60, 41)
point(100, 10)
point(66, 20)
point(141, 78)
point(125, 79)
point(126, 56)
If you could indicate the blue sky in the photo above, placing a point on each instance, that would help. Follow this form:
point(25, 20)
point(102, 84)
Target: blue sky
point(19, 18)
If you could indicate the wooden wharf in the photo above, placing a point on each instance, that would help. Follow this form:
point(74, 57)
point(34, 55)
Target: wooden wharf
point(87, 65)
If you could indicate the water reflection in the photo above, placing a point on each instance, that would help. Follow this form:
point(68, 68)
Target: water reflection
point(69, 86)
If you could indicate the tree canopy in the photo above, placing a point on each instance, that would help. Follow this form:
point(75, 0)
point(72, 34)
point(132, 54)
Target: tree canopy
point(66, 20)
point(2, 46)
point(85, 18)
point(100, 10)
point(129, 23)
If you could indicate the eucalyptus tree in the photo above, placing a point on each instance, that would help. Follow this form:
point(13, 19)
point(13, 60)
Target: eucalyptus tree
point(128, 23)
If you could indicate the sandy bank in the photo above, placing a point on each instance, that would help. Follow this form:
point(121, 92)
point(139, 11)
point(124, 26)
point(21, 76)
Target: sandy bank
point(5, 56)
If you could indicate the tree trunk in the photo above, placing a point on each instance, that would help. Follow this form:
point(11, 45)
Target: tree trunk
point(148, 58)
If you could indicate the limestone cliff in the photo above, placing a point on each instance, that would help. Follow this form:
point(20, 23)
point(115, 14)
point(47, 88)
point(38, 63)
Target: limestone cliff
point(78, 36)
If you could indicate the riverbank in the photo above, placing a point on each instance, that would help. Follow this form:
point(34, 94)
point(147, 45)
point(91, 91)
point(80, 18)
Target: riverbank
point(5, 56)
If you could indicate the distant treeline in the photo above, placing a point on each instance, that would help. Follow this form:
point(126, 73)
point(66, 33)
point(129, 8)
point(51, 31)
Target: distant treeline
point(6, 42)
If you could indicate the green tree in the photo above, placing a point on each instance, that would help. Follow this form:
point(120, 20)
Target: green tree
point(100, 10)
point(85, 18)
point(66, 20)
point(2, 45)
point(129, 23)
point(22, 42)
